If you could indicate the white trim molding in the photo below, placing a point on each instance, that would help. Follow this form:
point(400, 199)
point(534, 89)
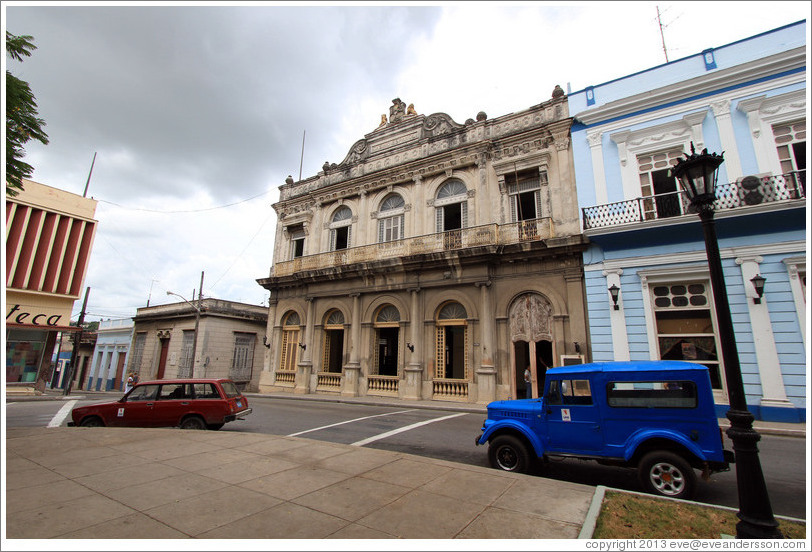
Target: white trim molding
point(617, 318)
point(796, 265)
point(773, 392)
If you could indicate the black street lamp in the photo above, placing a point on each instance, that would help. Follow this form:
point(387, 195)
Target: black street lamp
point(697, 174)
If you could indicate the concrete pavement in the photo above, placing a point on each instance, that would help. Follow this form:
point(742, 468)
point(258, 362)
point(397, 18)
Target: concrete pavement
point(125, 483)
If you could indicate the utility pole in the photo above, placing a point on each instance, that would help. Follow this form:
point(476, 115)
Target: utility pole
point(77, 341)
point(197, 323)
point(89, 174)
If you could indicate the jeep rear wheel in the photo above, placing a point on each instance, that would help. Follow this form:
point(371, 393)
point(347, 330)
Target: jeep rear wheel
point(667, 474)
point(508, 453)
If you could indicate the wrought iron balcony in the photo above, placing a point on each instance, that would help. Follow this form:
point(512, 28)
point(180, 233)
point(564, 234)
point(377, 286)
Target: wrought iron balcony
point(746, 192)
point(464, 238)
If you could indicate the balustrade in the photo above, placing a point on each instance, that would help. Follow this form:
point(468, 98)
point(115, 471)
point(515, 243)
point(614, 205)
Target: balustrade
point(449, 389)
point(463, 238)
point(328, 380)
point(286, 378)
point(382, 385)
point(745, 192)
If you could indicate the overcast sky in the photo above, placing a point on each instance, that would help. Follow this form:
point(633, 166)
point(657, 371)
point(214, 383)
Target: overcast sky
point(197, 113)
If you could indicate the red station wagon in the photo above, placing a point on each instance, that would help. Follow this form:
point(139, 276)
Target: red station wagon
point(184, 403)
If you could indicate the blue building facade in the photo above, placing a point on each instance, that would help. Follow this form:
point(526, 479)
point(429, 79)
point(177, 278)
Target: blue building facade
point(748, 100)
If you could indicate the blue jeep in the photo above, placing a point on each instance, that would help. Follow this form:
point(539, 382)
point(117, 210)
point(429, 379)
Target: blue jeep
point(656, 416)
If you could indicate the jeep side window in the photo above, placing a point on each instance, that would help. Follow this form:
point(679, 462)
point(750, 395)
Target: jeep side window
point(651, 394)
point(554, 393)
point(569, 392)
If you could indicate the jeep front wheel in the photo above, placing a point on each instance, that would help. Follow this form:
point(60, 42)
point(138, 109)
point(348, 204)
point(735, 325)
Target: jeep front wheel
point(508, 453)
point(667, 474)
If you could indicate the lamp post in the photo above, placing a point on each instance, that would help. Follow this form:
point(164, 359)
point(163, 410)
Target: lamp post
point(697, 174)
point(197, 323)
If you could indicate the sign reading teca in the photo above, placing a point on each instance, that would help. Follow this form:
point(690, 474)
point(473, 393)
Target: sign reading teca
point(17, 314)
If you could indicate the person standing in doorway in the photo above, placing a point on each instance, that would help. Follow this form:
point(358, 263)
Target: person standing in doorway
point(527, 387)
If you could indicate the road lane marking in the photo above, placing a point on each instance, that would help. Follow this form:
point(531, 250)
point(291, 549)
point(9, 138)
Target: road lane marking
point(60, 416)
point(402, 429)
point(349, 422)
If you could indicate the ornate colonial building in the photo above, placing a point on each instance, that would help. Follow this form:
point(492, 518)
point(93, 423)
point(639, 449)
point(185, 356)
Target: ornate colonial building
point(437, 261)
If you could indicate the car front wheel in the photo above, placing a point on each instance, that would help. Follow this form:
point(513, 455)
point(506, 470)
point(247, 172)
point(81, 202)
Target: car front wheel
point(193, 422)
point(668, 474)
point(508, 453)
point(92, 421)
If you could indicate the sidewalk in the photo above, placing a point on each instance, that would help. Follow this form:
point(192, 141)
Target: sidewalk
point(124, 483)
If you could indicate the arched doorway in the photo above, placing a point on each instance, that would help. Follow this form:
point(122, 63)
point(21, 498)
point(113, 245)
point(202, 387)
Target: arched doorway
point(531, 318)
point(333, 345)
point(387, 332)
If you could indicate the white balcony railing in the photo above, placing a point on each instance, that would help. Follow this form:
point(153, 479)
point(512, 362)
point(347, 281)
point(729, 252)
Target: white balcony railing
point(464, 238)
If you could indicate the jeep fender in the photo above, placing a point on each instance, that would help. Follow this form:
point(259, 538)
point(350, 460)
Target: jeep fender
point(640, 437)
point(512, 426)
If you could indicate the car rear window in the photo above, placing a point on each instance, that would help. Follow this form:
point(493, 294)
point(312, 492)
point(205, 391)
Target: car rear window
point(651, 394)
point(230, 389)
point(174, 391)
point(206, 391)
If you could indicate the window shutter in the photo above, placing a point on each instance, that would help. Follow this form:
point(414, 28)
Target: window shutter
point(537, 195)
point(332, 240)
point(400, 234)
point(349, 237)
point(380, 231)
point(465, 214)
point(513, 202)
point(440, 219)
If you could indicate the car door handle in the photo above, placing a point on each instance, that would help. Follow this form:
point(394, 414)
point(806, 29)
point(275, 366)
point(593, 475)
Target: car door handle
point(150, 404)
point(185, 403)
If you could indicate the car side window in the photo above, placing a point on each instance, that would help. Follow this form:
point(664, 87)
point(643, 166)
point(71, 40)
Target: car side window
point(206, 391)
point(174, 391)
point(143, 393)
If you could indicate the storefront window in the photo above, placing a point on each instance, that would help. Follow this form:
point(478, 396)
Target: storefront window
point(23, 354)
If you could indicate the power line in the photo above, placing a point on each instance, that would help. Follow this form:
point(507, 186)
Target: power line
point(186, 210)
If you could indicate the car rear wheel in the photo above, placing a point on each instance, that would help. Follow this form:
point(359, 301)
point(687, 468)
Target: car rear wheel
point(214, 427)
point(193, 422)
point(508, 453)
point(92, 421)
point(668, 474)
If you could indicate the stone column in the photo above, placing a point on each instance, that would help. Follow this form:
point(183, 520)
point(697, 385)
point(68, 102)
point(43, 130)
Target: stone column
point(486, 371)
point(268, 375)
point(305, 366)
point(352, 370)
point(413, 373)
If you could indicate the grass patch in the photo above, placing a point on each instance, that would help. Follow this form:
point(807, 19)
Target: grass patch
point(630, 516)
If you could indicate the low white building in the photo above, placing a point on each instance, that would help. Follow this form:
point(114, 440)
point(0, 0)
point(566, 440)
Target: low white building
point(110, 355)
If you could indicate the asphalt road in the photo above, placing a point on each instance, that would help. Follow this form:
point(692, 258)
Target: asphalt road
point(450, 436)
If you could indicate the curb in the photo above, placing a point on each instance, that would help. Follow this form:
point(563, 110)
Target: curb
point(588, 528)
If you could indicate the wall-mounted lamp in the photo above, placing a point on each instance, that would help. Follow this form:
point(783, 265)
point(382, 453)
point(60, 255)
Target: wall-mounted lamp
point(577, 346)
point(614, 291)
point(410, 347)
point(758, 283)
point(303, 346)
point(265, 342)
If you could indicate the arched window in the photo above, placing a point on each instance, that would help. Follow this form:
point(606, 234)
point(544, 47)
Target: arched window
point(290, 341)
point(340, 228)
point(390, 218)
point(451, 206)
point(451, 352)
